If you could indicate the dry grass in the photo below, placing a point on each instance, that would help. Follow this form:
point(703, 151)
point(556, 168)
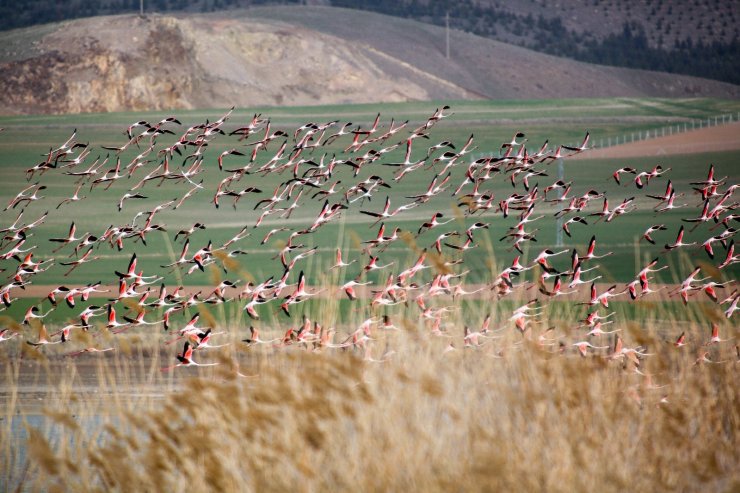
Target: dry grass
point(517, 412)
point(509, 415)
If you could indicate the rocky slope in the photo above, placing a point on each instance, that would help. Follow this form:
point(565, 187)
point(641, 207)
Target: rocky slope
point(277, 56)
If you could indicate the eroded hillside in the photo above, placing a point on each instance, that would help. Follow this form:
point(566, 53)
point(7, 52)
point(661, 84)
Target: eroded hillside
point(293, 57)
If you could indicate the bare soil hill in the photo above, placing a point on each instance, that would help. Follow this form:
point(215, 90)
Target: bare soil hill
point(289, 56)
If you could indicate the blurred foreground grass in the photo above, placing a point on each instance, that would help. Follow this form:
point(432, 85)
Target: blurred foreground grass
point(403, 412)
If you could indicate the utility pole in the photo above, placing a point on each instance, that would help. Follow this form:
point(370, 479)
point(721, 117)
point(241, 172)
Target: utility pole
point(559, 222)
point(447, 32)
point(141, 8)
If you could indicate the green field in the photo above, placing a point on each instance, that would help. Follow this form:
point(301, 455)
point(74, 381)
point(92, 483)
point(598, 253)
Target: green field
point(25, 139)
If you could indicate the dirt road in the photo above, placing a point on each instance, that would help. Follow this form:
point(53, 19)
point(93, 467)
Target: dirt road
point(712, 139)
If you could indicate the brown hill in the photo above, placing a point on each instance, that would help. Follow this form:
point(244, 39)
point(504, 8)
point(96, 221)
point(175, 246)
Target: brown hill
point(290, 56)
point(490, 68)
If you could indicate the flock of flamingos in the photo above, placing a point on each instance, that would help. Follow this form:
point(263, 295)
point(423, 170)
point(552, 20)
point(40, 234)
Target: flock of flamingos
point(341, 166)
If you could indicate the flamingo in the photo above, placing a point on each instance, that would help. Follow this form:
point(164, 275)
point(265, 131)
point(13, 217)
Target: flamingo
point(715, 339)
point(590, 252)
point(575, 219)
point(349, 288)
point(679, 241)
point(186, 359)
point(730, 258)
point(670, 205)
point(597, 330)
point(90, 349)
point(255, 337)
point(7, 334)
point(651, 230)
point(43, 338)
point(620, 171)
point(76, 263)
point(577, 271)
point(338, 264)
point(584, 346)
